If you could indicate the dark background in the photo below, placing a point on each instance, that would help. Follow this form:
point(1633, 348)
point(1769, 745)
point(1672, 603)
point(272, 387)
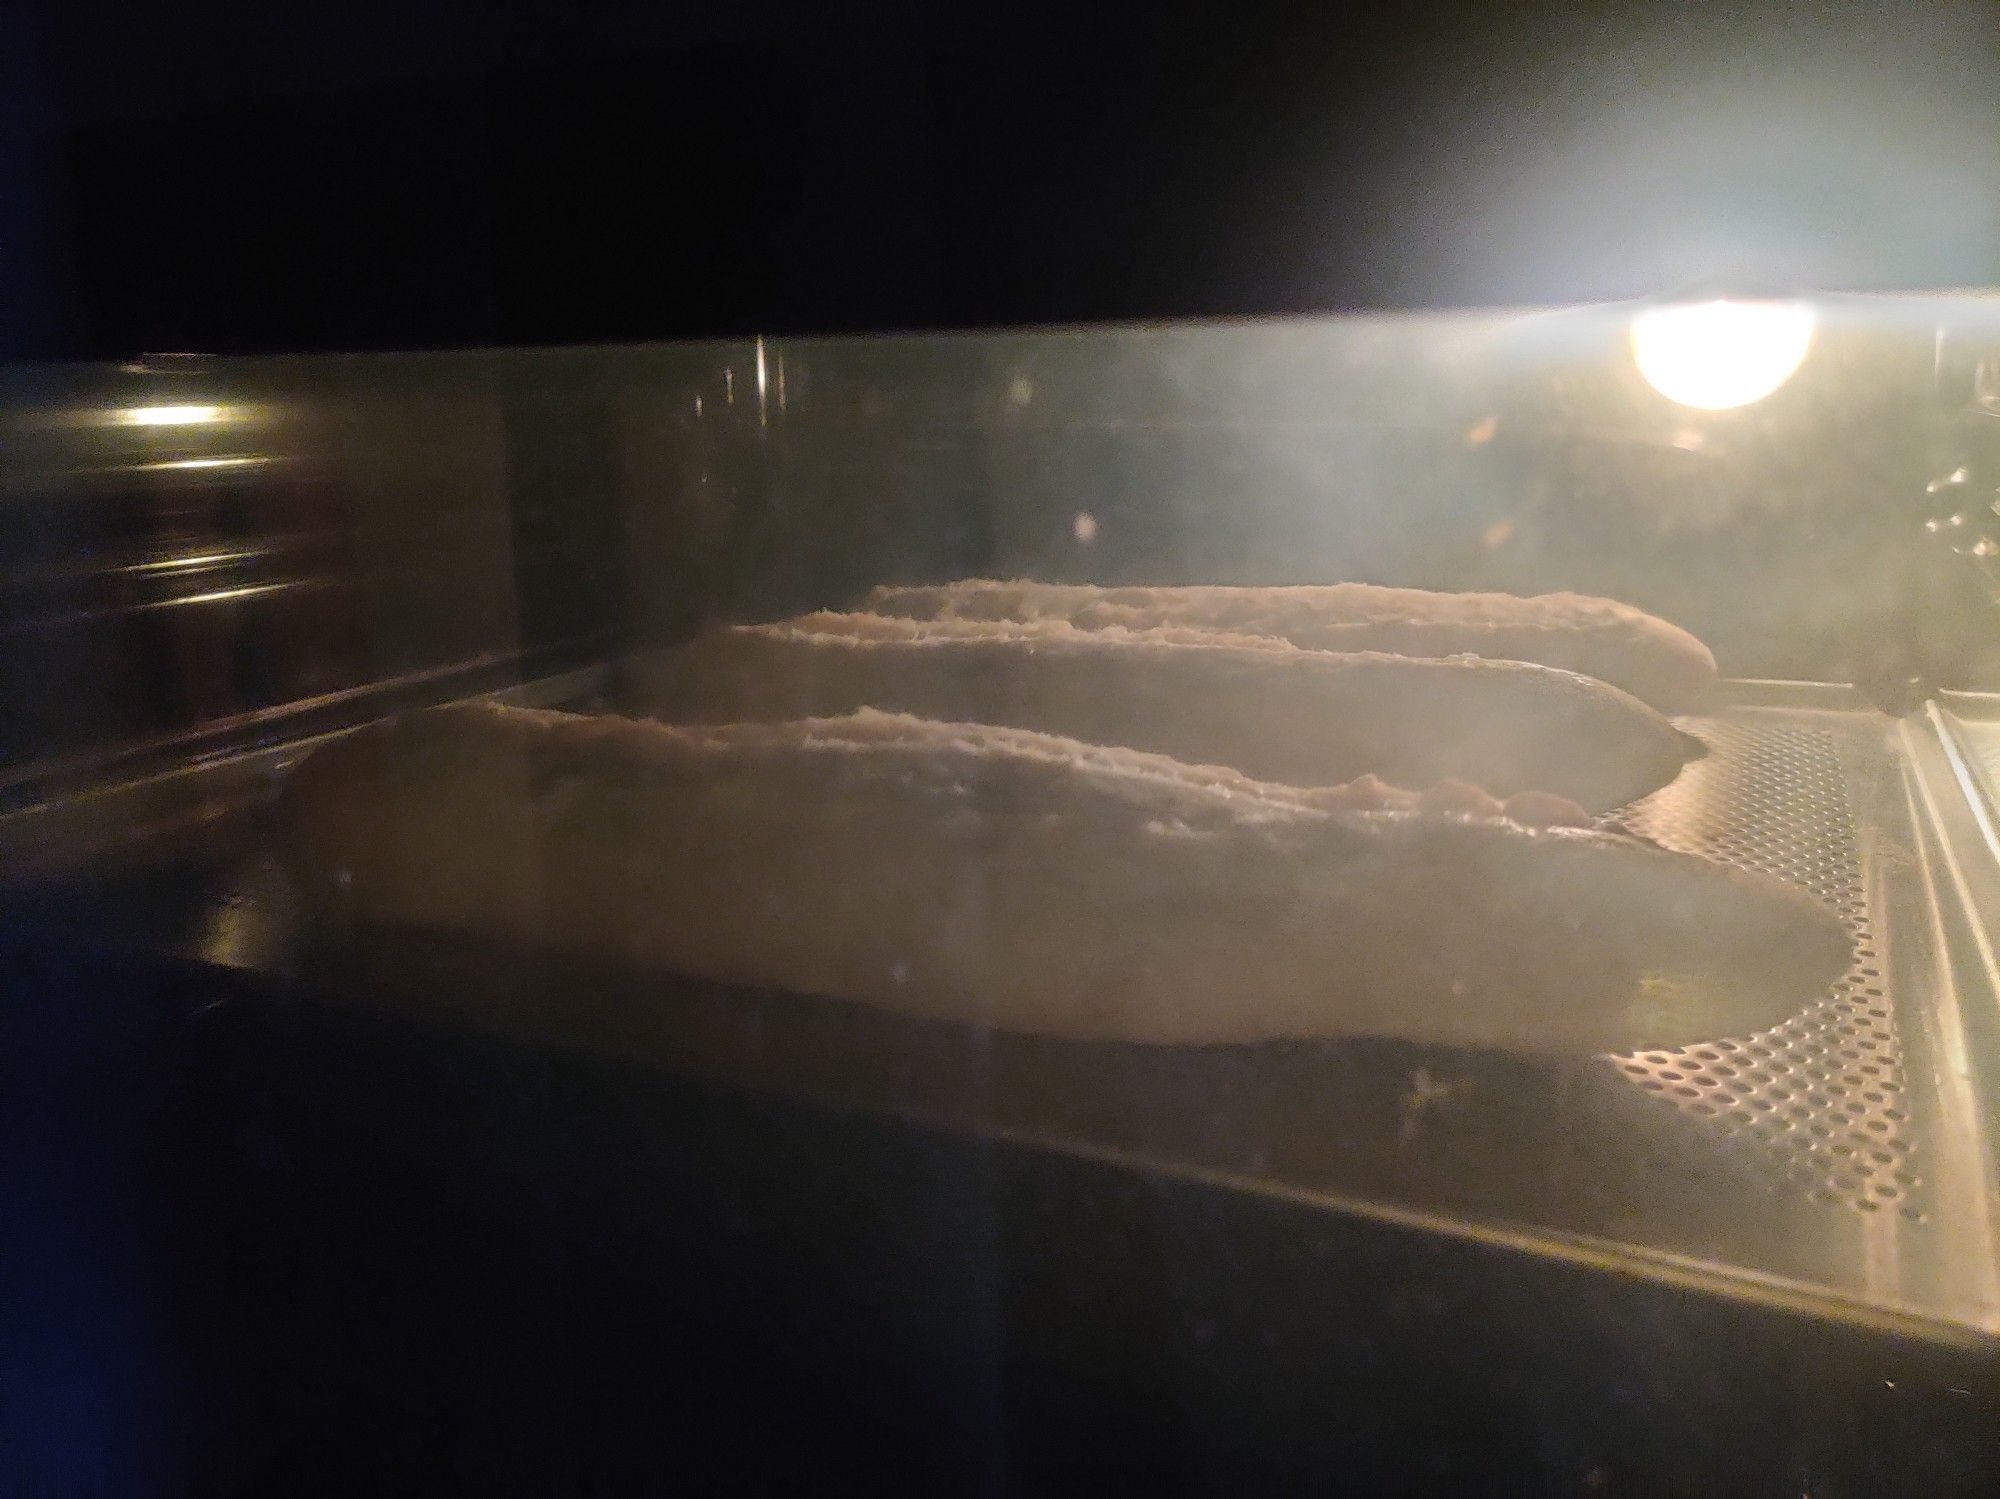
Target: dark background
point(412, 175)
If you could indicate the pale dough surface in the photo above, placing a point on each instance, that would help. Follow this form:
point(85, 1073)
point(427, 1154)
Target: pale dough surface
point(1002, 878)
point(1653, 660)
point(1258, 704)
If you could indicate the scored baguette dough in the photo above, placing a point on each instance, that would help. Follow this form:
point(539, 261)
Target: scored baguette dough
point(1258, 704)
point(1003, 878)
point(1656, 662)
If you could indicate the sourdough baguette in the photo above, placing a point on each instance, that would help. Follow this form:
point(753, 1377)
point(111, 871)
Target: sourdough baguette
point(1257, 704)
point(1659, 663)
point(1008, 879)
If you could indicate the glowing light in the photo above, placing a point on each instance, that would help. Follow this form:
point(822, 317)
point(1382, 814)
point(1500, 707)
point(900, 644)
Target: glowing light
point(169, 416)
point(223, 595)
point(1715, 355)
point(190, 561)
point(183, 464)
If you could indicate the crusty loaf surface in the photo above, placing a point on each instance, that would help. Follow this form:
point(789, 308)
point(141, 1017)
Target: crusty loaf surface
point(1008, 879)
point(1255, 703)
point(1653, 660)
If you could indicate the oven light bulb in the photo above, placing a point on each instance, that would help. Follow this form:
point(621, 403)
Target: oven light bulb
point(1715, 355)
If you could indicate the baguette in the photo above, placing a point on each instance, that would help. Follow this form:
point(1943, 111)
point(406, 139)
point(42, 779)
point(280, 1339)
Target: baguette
point(1656, 662)
point(1001, 878)
point(1259, 705)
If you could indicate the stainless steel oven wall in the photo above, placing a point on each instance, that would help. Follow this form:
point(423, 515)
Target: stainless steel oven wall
point(786, 476)
point(1962, 488)
point(198, 552)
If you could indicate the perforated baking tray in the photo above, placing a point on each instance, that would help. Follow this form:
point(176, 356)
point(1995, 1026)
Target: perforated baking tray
point(1860, 1125)
point(1844, 1156)
point(1841, 1161)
